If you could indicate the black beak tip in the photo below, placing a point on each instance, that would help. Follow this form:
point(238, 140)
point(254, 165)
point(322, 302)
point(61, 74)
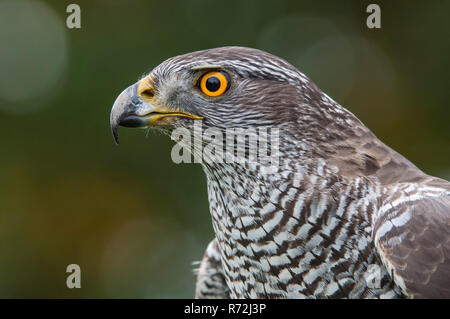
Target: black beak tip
point(115, 132)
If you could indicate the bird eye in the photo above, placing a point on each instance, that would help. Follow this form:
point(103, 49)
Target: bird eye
point(214, 83)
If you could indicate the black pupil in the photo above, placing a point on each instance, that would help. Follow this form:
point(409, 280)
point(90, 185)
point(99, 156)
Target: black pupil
point(213, 84)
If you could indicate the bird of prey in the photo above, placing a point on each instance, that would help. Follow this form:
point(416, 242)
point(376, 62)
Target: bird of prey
point(342, 215)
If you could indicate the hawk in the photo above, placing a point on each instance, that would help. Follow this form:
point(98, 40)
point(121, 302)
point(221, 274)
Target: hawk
point(342, 215)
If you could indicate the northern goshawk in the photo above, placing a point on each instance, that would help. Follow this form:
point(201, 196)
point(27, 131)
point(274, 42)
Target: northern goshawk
point(341, 215)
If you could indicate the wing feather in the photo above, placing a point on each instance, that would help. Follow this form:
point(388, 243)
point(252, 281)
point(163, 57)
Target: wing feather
point(417, 252)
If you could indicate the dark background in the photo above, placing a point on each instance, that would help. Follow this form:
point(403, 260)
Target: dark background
point(131, 218)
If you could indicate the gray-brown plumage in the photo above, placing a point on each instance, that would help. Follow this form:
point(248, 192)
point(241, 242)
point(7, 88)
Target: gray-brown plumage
point(341, 216)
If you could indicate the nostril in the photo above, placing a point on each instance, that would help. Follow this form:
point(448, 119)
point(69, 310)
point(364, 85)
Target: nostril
point(148, 93)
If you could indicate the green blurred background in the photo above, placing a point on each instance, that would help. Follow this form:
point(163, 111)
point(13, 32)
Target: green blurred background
point(131, 218)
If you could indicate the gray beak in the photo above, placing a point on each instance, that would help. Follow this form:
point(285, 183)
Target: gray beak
point(129, 110)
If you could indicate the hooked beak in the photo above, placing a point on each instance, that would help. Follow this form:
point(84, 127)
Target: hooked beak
point(130, 110)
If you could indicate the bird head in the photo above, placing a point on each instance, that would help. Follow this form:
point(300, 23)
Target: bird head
point(229, 87)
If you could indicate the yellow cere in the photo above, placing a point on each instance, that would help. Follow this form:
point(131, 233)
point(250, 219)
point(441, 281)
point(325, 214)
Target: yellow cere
point(146, 88)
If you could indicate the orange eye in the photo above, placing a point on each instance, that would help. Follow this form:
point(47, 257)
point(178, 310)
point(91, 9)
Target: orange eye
point(214, 83)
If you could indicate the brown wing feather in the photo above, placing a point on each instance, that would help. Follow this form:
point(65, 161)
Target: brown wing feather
point(418, 252)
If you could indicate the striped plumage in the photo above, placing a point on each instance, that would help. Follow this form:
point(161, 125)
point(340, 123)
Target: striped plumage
point(341, 216)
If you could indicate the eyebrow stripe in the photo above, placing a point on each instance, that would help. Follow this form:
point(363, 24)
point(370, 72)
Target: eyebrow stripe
point(205, 66)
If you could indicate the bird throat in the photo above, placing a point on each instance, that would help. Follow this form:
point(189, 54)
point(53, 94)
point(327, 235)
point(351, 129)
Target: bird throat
point(278, 227)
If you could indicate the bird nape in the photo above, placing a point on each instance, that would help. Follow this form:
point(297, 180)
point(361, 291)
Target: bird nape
point(340, 215)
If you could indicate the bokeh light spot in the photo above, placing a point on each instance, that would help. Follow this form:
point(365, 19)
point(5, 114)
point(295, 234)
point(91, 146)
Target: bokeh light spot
point(33, 54)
